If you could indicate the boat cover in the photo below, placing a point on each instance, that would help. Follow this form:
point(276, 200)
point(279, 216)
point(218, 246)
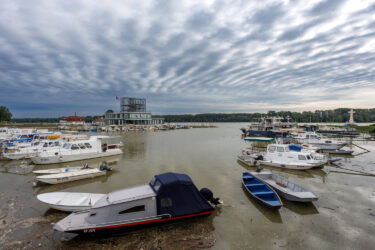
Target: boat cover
point(295, 147)
point(177, 195)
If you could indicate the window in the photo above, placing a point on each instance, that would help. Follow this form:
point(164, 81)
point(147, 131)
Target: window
point(74, 147)
point(45, 145)
point(157, 186)
point(152, 182)
point(271, 149)
point(57, 143)
point(136, 209)
point(88, 145)
point(301, 158)
point(287, 149)
point(93, 214)
point(66, 146)
point(81, 146)
point(165, 202)
point(280, 149)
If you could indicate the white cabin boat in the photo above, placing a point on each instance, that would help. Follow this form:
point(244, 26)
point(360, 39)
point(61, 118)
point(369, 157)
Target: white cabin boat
point(32, 150)
point(286, 188)
point(95, 147)
point(70, 176)
point(282, 156)
point(314, 139)
point(69, 201)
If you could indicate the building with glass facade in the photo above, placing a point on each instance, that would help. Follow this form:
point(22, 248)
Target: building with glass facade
point(132, 111)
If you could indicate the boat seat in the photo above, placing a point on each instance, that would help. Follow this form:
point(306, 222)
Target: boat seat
point(255, 185)
point(263, 193)
point(248, 177)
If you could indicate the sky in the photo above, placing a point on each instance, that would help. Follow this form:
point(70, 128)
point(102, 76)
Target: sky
point(186, 56)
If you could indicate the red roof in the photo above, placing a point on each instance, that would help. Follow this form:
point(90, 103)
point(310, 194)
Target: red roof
point(74, 119)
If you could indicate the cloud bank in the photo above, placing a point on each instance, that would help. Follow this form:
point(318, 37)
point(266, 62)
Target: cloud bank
point(61, 57)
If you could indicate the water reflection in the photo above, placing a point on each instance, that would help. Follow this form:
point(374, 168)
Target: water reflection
point(17, 167)
point(302, 208)
point(271, 214)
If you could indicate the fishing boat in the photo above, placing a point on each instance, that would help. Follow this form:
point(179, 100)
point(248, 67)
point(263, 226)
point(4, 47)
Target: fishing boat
point(95, 147)
point(316, 140)
point(282, 156)
point(69, 201)
point(168, 197)
point(286, 188)
point(259, 139)
point(70, 176)
point(262, 192)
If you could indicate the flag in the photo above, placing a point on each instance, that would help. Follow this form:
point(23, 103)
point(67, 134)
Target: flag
point(117, 98)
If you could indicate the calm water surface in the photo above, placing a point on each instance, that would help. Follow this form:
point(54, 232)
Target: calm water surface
point(343, 217)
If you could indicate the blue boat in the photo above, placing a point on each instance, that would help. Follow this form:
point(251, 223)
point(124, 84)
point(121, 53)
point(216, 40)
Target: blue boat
point(263, 193)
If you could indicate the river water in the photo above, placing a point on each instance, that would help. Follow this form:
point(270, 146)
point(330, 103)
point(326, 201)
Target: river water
point(342, 218)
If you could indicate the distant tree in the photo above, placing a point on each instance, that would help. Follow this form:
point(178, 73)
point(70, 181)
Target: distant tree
point(5, 114)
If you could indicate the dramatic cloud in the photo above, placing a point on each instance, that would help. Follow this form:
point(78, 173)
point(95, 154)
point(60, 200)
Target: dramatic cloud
point(61, 57)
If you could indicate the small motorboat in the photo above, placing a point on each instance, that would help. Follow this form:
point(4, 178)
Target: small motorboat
point(338, 151)
point(69, 201)
point(286, 188)
point(168, 197)
point(261, 191)
point(259, 139)
point(57, 170)
point(70, 176)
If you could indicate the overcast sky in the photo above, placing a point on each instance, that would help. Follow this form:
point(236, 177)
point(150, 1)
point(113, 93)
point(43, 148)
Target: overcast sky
point(61, 57)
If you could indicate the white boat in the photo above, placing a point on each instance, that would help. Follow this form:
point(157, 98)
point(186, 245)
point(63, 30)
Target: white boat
point(286, 188)
point(70, 176)
point(58, 170)
point(316, 140)
point(32, 150)
point(95, 147)
point(68, 201)
point(281, 156)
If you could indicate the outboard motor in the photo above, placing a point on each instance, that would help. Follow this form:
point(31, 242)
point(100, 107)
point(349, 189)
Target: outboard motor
point(103, 167)
point(208, 195)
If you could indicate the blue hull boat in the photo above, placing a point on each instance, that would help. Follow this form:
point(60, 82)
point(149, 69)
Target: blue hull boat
point(264, 194)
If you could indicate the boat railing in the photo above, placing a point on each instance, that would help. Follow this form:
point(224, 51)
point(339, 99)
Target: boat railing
point(160, 216)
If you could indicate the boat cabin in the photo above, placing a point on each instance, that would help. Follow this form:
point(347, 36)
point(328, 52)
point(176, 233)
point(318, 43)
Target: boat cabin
point(287, 152)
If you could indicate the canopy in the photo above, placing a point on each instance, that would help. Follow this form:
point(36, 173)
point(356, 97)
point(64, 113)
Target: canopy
point(177, 195)
point(295, 147)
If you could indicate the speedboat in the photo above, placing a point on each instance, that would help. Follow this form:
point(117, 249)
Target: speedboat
point(286, 188)
point(69, 201)
point(314, 139)
point(282, 156)
point(95, 147)
point(168, 197)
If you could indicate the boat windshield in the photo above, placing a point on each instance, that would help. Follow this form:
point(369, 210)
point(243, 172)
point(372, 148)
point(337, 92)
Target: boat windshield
point(66, 146)
point(88, 145)
point(272, 149)
point(280, 149)
point(287, 149)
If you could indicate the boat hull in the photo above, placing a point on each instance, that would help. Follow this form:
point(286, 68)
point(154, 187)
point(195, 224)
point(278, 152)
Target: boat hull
point(69, 178)
point(127, 227)
point(68, 158)
point(289, 166)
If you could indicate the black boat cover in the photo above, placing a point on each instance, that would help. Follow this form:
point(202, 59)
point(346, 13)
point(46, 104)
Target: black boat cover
point(177, 195)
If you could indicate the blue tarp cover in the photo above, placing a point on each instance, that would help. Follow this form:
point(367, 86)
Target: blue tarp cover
point(177, 195)
point(295, 147)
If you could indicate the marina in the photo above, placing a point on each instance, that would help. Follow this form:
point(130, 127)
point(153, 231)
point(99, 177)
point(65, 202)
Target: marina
point(209, 157)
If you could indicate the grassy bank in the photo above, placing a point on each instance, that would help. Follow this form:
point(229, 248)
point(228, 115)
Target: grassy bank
point(365, 129)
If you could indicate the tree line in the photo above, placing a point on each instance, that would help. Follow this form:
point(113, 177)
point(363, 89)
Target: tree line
point(337, 115)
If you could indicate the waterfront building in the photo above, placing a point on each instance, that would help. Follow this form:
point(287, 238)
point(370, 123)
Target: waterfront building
point(72, 120)
point(132, 111)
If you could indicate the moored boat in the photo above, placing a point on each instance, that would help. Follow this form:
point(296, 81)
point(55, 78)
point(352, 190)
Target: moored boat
point(69, 201)
point(316, 140)
point(70, 176)
point(262, 192)
point(57, 170)
point(168, 197)
point(260, 139)
point(286, 188)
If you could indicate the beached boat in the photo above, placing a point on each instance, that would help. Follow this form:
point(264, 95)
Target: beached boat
point(282, 156)
point(286, 188)
point(69, 201)
point(316, 140)
point(70, 176)
point(95, 147)
point(168, 197)
point(260, 139)
point(262, 192)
